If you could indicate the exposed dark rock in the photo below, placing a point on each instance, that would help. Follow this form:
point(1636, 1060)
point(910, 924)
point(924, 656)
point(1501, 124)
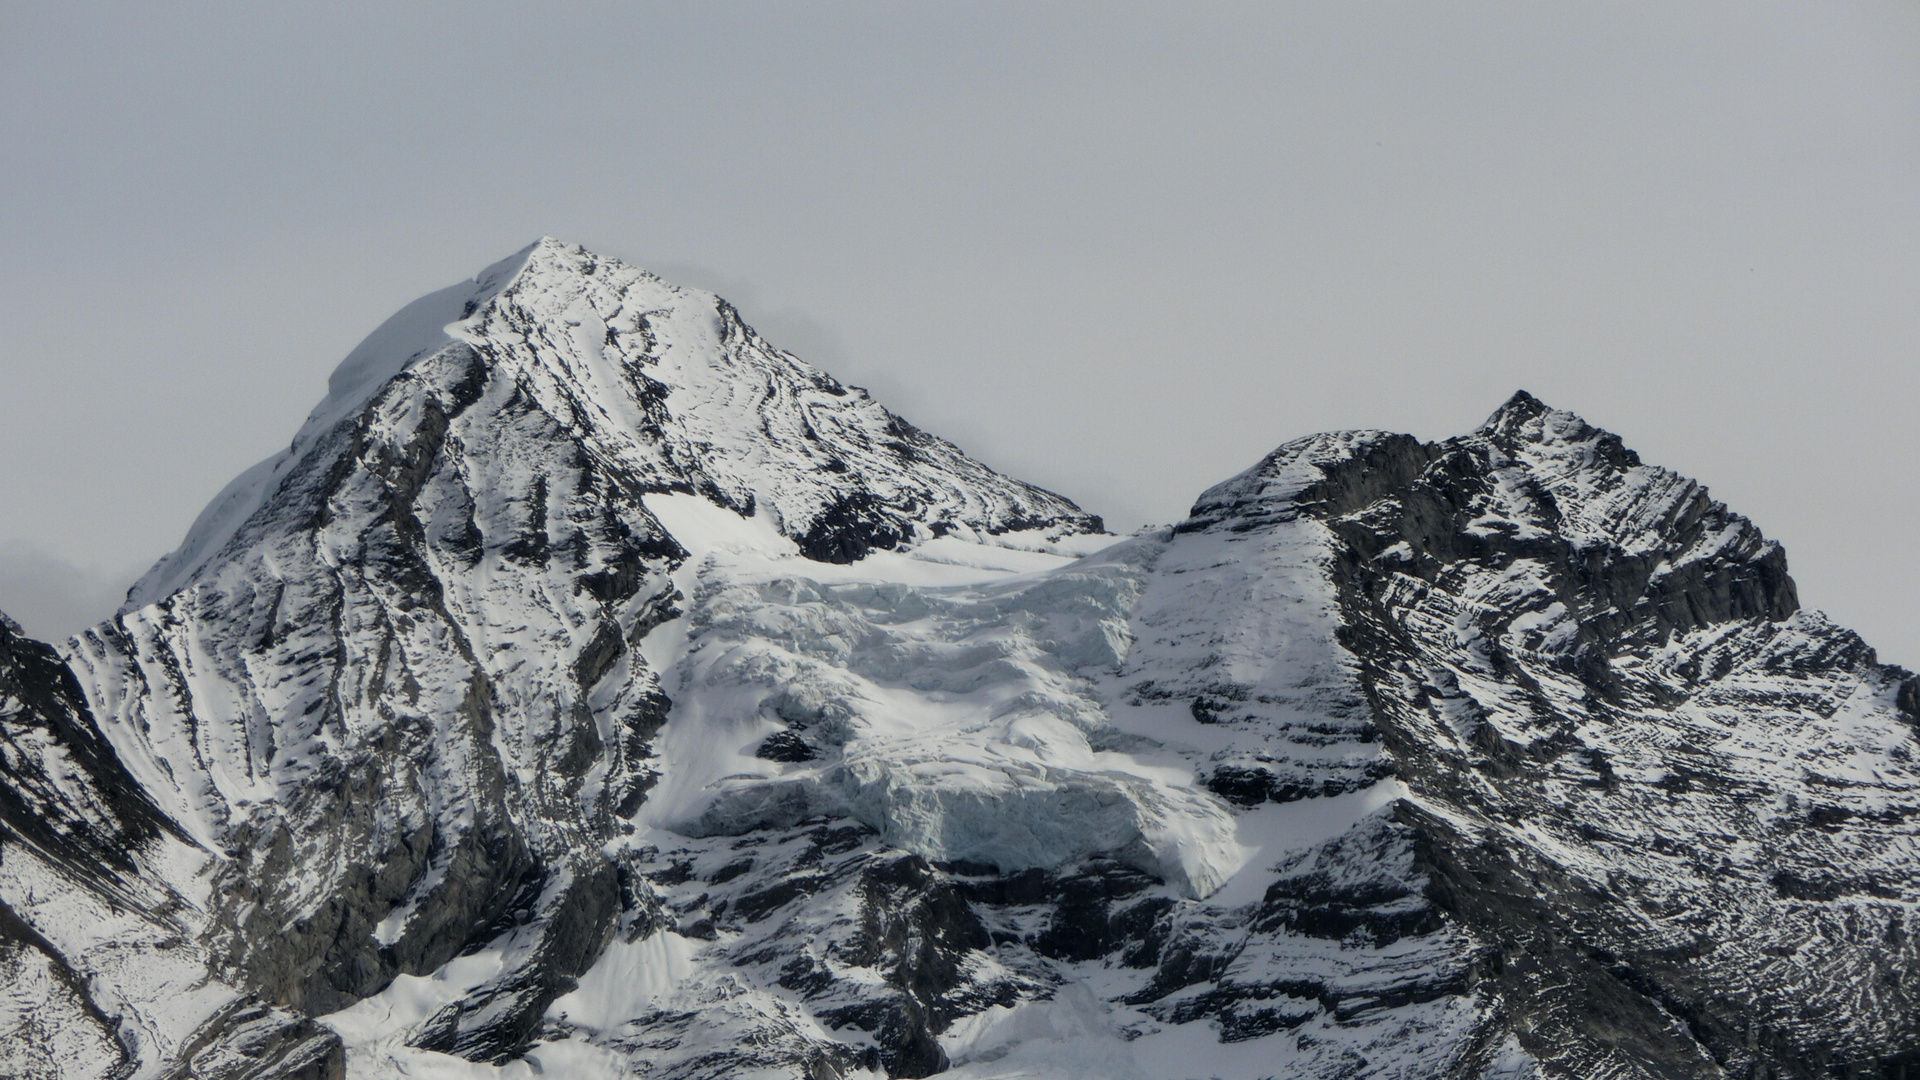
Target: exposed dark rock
point(247, 1041)
point(851, 526)
point(785, 746)
point(45, 723)
point(1090, 919)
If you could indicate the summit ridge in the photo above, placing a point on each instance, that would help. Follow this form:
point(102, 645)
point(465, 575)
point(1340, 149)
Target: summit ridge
point(669, 385)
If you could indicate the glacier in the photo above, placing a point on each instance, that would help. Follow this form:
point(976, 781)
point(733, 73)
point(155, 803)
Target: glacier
point(592, 688)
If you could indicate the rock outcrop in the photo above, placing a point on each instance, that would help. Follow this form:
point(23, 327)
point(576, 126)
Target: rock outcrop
point(105, 963)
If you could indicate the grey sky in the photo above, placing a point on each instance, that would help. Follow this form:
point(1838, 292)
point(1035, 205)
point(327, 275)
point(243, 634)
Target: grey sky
point(1118, 251)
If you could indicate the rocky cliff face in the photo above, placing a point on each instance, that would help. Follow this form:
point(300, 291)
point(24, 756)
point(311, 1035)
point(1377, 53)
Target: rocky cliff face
point(1665, 811)
point(593, 687)
point(103, 959)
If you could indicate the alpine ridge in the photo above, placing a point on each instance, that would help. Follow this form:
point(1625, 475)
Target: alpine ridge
point(593, 689)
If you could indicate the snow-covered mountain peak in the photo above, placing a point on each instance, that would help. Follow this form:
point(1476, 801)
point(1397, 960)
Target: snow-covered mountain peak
point(665, 385)
point(409, 647)
point(1531, 472)
point(1559, 443)
point(674, 384)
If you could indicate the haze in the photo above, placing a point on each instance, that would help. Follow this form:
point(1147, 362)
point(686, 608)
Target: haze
point(1120, 251)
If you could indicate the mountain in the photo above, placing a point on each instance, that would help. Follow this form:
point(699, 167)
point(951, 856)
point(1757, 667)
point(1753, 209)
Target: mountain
point(594, 689)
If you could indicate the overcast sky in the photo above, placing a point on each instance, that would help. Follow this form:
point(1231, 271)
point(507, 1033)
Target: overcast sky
point(1117, 251)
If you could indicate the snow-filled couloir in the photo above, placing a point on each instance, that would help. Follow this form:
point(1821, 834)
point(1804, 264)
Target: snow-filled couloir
point(592, 689)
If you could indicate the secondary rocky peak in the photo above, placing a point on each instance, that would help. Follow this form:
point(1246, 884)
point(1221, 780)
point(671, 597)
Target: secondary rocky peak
point(1570, 658)
point(1531, 477)
point(1516, 410)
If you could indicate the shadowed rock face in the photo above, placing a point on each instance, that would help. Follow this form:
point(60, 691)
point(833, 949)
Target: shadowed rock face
point(593, 683)
point(81, 848)
point(62, 790)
